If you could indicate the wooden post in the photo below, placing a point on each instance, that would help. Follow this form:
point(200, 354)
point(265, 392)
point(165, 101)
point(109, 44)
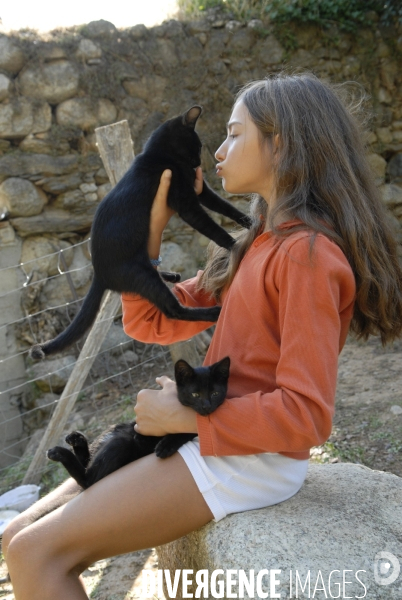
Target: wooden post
point(187, 350)
point(116, 150)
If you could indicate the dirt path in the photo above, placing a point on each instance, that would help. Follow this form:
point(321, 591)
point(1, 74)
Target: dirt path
point(367, 430)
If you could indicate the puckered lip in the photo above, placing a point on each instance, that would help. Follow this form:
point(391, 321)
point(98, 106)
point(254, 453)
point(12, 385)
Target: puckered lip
point(218, 169)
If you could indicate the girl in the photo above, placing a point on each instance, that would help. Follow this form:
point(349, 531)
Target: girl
point(320, 258)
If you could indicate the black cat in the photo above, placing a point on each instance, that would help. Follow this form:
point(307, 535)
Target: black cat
point(201, 388)
point(120, 228)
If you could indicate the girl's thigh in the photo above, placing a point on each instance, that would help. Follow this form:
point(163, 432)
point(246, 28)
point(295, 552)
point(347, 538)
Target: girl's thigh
point(146, 503)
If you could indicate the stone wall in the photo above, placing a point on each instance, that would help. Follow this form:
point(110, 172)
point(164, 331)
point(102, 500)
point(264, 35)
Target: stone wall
point(56, 89)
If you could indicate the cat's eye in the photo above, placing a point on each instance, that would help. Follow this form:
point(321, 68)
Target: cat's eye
point(195, 394)
point(214, 394)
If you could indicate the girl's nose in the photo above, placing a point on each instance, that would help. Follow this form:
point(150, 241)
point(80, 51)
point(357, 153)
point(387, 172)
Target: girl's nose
point(220, 153)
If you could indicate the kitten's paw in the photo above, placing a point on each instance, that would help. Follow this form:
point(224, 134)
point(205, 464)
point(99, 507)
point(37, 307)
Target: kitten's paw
point(76, 438)
point(164, 450)
point(55, 453)
point(246, 222)
point(170, 277)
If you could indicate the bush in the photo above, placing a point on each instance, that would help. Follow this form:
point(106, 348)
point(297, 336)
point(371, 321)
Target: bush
point(347, 14)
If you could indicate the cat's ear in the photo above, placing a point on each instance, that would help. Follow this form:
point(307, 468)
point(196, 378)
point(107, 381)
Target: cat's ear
point(190, 117)
point(183, 371)
point(222, 367)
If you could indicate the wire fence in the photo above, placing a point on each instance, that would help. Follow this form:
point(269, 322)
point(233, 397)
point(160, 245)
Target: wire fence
point(120, 369)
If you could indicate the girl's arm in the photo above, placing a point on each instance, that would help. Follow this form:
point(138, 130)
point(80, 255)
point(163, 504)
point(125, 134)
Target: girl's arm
point(141, 319)
point(144, 322)
point(315, 306)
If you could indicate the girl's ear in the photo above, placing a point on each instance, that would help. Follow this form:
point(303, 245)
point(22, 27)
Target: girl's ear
point(190, 117)
point(276, 143)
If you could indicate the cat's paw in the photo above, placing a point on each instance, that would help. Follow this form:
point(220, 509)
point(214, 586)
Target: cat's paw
point(56, 453)
point(170, 277)
point(246, 222)
point(76, 438)
point(164, 450)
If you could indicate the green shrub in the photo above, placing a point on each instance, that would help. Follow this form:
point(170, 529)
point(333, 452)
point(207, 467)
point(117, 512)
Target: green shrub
point(347, 14)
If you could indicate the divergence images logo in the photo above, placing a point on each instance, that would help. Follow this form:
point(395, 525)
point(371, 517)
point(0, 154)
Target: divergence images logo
point(386, 568)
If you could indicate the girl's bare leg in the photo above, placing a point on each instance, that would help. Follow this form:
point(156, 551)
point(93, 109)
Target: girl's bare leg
point(65, 492)
point(146, 503)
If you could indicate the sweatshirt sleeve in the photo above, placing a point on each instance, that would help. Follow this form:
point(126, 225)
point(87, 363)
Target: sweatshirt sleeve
point(315, 300)
point(144, 322)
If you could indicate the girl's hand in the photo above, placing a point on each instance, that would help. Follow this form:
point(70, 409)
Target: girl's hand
point(199, 182)
point(161, 212)
point(159, 412)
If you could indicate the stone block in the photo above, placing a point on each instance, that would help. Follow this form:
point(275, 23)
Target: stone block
point(395, 168)
point(4, 87)
point(87, 49)
point(391, 194)
point(11, 56)
point(54, 220)
point(340, 521)
point(85, 113)
point(53, 82)
point(52, 374)
point(384, 135)
point(100, 29)
point(378, 165)
point(39, 252)
point(21, 197)
point(270, 51)
point(21, 117)
point(19, 164)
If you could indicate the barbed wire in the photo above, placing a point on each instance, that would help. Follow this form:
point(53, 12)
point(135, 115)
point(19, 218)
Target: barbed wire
point(39, 312)
point(42, 406)
point(19, 265)
point(111, 364)
point(8, 450)
point(28, 284)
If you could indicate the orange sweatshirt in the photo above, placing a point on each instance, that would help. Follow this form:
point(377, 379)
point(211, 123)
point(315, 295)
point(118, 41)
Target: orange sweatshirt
point(284, 320)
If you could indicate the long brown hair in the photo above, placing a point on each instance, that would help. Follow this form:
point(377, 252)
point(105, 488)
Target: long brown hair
point(323, 179)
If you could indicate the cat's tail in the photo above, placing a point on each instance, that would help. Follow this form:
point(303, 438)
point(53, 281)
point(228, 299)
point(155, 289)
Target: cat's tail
point(82, 322)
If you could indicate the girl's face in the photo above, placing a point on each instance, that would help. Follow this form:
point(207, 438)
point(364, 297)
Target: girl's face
point(245, 162)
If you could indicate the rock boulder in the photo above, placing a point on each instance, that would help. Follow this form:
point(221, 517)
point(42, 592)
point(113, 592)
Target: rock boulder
point(21, 117)
point(11, 56)
point(21, 197)
point(340, 522)
point(54, 82)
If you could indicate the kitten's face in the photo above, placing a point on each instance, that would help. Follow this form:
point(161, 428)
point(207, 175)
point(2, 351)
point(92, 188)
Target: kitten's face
point(204, 388)
point(204, 401)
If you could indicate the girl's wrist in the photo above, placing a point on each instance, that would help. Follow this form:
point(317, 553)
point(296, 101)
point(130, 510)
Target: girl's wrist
point(186, 421)
point(154, 246)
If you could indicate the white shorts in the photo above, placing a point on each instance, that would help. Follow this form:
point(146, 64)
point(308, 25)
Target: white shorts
point(233, 484)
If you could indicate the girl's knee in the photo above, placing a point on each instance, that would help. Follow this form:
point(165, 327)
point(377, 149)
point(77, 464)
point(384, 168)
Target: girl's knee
point(8, 534)
point(19, 549)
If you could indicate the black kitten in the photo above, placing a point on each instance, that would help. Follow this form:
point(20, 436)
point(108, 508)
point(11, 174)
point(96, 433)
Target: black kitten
point(120, 228)
point(201, 388)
